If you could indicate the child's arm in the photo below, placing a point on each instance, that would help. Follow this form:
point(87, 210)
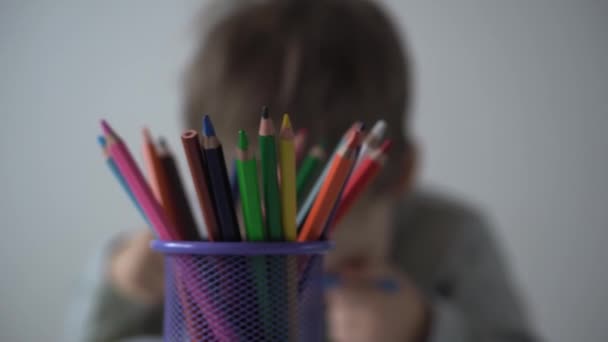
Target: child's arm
point(121, 295)
point(450, 253)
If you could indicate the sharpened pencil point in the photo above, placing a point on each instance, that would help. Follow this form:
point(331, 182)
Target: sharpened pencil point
point(286, 124)
point(361, 126)
point(354, 140)
point(162, 142)
point(145, 132)
point(243, 142)
point(265, 112)
point(107, 130)
point(386, 146)
point(379, 129)
point(208, 129)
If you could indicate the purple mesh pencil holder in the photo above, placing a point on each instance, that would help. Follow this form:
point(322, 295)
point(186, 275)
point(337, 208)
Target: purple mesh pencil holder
point(243, 291)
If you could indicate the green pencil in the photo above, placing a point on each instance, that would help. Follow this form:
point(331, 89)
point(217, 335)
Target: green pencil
point(310, 164)
point(272, 199)
point(247, 174)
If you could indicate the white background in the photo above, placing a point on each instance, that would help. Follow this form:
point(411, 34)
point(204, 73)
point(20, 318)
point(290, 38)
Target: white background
point(512, 113)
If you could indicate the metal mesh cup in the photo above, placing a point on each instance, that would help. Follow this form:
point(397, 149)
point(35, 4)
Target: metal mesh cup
point(243, 291)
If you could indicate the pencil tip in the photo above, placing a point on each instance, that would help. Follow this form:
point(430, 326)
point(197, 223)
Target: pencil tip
point(379, 128)
point(145, 131)
point(105, 126)
point(361, 126)
point(354, 140)
point(243, 142)
point(265, 112)
point(101, 140)
point(162, 142)
point(208, 129)
point(386, 146)
point(286, 124)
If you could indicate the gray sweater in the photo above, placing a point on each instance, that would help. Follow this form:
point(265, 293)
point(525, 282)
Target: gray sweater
point(444, 247)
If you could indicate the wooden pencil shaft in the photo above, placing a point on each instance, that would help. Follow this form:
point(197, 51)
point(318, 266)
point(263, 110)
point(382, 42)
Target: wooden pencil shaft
point(194, 156)
point(177, 205)
point(341, 166)
point(305, 173)
point(150, 155)
point(360, 181)
point(220, 189)
point(128, 168)
point(250, 199)
point(288, 188)
point(325, 201)
point(270, 187)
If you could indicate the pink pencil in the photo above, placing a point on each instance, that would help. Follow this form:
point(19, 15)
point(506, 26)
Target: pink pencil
point(128, 168)
point(300, 142)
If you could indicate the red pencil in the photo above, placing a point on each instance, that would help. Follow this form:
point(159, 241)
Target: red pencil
point(360, 180)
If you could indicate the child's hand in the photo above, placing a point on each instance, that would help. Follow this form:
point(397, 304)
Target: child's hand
point(360, 310)
point(137, 271)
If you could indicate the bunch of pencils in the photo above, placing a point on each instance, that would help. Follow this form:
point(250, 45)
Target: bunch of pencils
point(286, 206)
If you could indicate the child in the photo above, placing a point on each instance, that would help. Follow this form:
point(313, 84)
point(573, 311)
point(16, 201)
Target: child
point(329, 63)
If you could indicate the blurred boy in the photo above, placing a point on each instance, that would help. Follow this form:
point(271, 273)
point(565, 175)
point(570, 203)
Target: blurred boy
point(329, 63)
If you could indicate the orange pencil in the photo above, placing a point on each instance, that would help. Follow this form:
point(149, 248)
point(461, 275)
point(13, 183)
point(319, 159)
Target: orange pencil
point(152, 163)
point(362, 177)
point(339, 170)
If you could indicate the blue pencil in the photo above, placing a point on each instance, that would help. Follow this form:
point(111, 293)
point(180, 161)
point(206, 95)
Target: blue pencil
point(234, 183)
point(123, 183)
point(219, 183)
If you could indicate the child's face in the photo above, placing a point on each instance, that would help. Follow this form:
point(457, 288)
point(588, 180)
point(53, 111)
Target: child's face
point(363, 233)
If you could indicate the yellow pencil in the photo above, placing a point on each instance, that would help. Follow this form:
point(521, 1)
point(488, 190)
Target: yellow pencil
point(287, 164)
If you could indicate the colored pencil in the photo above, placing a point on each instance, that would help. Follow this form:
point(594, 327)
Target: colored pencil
point(360, 180)
point(234, 183)
point(268, 154)
point(121, 180)
point(334, 209)
point(135, 179)
point(247, 176)
point(161, 186)
point(196, 163)
point(152, 163)
point(330, 190)
point(300, 143)
point(372, 141)
point(309, 166)
point(218, 181)
point(175, 200)
point(177, 208)
point(312, 194)
point(287, 165)
point(247, 171)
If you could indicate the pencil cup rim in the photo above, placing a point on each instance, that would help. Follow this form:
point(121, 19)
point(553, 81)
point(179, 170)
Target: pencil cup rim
point(241, 248)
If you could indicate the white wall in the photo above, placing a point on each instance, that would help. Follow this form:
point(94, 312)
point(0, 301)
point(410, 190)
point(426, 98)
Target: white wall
point(512, 109)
